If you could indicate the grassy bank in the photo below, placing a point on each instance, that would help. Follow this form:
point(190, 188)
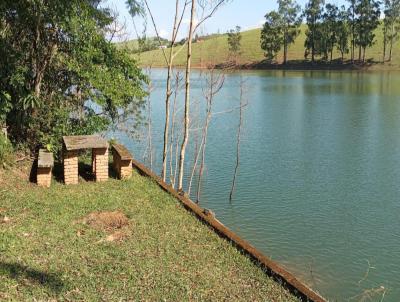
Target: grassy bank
point(215, 51)
point(117, 241)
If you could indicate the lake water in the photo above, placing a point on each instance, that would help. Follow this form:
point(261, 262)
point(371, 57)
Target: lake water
point(319, 179)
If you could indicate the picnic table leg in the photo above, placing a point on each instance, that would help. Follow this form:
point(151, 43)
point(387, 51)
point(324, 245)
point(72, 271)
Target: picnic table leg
point(70, 167)
point(93, 161)
point(101, 163)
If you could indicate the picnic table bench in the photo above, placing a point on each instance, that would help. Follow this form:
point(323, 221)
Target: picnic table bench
point(44, 167)
point(71, 147)
point(122, 161)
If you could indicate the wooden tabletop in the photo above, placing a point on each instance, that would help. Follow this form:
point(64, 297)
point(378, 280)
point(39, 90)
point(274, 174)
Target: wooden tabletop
point(84, 142)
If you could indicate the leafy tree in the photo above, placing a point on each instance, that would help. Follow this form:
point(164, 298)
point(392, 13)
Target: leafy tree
point(343, 31)
point(368, 12)
point(60, 74)
point(313, 13)
point(281, 29)
point(234, 41)
point(352, 18)
point(289, 11)
point(271, 35)
point(391, 25)
point(330, 29)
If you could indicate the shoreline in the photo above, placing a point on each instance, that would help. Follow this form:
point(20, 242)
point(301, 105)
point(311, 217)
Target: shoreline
point(291, 66)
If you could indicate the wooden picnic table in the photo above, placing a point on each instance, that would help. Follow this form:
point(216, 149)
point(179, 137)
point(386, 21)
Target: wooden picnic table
point(71, 147)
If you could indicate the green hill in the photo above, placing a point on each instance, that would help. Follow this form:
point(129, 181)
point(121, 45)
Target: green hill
point(215, 51)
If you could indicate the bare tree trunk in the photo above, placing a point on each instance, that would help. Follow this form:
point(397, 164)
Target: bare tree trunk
point(169, 91)
point(172, 174)
point(285, 48)
point(391, 49)
point(352, 37)
point(363, 54)
point(149, 133)
point(384, 43)
point(169, 62)
point(187, 98)
point(197, 150)
point(215, 84)
point(241, 105)
point(203, 156)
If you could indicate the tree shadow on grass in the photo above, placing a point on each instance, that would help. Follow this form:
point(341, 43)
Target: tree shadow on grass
point(33, 277)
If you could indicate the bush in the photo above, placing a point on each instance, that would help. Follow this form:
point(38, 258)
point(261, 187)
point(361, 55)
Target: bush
point(6, 152)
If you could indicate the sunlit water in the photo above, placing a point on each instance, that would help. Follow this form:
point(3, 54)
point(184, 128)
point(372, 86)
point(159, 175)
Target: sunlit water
point(319, 178)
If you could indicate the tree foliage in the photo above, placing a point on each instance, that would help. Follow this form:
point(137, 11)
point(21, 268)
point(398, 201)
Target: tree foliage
point(391, 25)
point(313, 13)
point(59, 74)
point(271, 35)
point(281, 29)
point(368, 12)
point(289, 11)
point(343, 28)
point(234, 40)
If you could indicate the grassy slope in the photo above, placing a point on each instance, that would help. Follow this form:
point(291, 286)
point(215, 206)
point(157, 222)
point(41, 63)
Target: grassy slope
point(215, 51)
point(47, 253)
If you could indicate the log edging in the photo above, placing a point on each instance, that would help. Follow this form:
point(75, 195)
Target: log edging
point(271, 267)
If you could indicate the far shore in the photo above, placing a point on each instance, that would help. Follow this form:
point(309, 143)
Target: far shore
point(294, 66)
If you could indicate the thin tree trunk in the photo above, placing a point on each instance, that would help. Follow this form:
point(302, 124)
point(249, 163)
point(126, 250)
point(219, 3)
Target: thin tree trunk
point(384, 44)
point(172, 136)
point(203, 155)
point(238, 142)
point(197, 147)
point(352, 39)
point(313, 46)
point(391, 49)
point(285, 46)
point(168, 94)
point(187, 98)
point(149, 134)
point(166, 125)
point(363, 54)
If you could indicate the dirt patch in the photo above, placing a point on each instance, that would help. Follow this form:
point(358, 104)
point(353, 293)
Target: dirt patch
point(108, 221)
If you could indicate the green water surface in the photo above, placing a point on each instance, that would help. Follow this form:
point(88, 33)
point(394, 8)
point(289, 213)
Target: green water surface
point(319, 179)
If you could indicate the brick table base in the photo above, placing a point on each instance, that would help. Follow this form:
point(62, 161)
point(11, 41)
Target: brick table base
point(100, 162)
point(44, 177)
point(70, 167)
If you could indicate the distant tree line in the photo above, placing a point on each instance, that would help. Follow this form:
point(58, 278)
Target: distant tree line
point(347, 29)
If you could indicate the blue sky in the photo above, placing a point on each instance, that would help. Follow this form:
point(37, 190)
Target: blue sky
point(235, 12)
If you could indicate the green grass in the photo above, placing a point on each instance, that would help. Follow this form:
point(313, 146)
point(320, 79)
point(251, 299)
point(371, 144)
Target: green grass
point(215, 51)
point(48, 253)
